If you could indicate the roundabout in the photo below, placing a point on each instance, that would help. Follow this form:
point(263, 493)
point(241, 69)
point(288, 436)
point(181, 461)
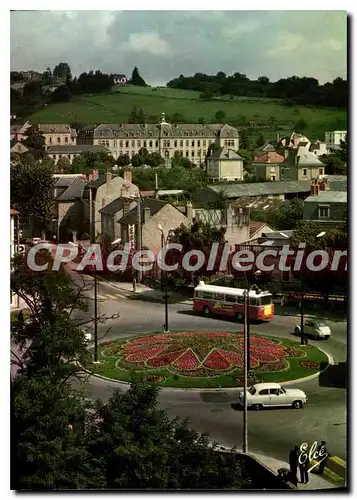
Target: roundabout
point(203, 359)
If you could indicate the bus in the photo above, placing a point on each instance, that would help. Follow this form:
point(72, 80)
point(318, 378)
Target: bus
point(226, 301)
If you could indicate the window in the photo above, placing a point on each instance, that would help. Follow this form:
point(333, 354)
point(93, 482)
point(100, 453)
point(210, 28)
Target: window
point(252, 390)
point(50, 140)
point(59, 156)
point(321, 171)
point(150, 144)
point(324, 212)
point(186, 153)
point(181, 153)
point(181, 144)
point(66, 140)
point(219, 296)
point(126, 144)
point(144, 144)
point(120, 144)
point(253, 301)
point(198, 144)
point(204, 295)
point(58, 140)
point(264, 392)
point(167, 144)
point(175, 144)
point(133, 144)
point(156, 144)
point(275, 391)
point(192, 153)
point(199, 152)
point(193, 144)
point(115, 144)
point(240, 299)
point(187, 143)
point(272, 177)
point(231, 298)
point(204, 143)
point(265, 301)
point(304, 172)
point(226, 143)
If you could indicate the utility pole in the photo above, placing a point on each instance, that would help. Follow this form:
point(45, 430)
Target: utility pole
point(245, 349)
point(92, 240)
point(139, 244)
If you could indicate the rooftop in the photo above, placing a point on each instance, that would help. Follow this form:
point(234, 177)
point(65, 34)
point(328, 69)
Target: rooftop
point(154, 206)
point(261, 188)
point(55, 128)
point(74, 191)
point(225, 153)
point(328, 197)
point(79, 148)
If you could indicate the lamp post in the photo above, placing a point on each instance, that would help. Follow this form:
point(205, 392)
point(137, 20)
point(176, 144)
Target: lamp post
point(138, 239)
point(164, 275)
point(246, 363)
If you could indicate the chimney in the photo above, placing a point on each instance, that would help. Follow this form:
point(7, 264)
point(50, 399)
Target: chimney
point(128, 176)
point(323, 185)
point(147, 215)
point(108, 177)
point(189, 212)
point(315, 188)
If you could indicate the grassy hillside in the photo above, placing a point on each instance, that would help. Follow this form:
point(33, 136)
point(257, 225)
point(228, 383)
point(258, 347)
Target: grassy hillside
point(115, 107)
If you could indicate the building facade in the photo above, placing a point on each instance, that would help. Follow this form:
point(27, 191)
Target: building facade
point(266, 166)
point(190, 140)
point(71, 151)
point(225, 164)
point(301, 165)
point(58, 134)
point(332, 139)
point(325, 207)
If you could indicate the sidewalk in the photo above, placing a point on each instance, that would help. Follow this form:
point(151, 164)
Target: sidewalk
point(316, 482)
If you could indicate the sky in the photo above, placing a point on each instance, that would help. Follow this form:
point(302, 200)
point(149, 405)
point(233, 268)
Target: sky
point(164, 44)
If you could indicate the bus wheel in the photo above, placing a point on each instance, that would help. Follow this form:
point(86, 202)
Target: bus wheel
point(239, 317)
point(206, 311)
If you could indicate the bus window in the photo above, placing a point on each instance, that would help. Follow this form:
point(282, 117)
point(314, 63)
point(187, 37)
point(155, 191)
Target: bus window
point(231, 298)
point(206, 295)
point(265, 301)
point(253, 301)
point(240, 299)
point(218, 296)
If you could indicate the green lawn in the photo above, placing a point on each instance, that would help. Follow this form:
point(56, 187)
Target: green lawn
point(110, 367)
point(115, 107)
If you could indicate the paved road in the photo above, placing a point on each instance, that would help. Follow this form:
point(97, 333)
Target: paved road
point(271, 432)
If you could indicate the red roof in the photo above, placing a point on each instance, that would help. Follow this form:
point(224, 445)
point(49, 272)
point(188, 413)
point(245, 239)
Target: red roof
point(269, 157)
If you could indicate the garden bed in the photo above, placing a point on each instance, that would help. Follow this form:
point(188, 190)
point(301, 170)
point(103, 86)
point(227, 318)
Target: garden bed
point(206, 359)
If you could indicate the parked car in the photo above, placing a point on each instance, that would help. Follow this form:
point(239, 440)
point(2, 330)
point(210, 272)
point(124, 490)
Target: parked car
point(314, 329)
point(270, 394)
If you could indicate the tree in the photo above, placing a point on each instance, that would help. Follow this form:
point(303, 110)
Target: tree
point(89, 161)
point(333, 164)
point(300, 126)
point(47, 77)
point(244, 142)
point(123, 160)
point(286, 217)
point(35, 142)
point(260, 140)
point(62, 71)
point(206, 95)
point(133, 117)
point(155, 160)
point(221, 202)
point(32, 190)
point(220, 116)
point(32, 92)
point(141, 116)
point(136, 79)
point(61, 94)
point(63, 165)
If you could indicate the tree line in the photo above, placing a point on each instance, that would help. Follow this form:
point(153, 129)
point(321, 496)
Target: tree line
point(293, 90)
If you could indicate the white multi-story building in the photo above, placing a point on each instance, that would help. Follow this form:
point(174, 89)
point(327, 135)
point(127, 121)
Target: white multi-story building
point(190, 140)
point(332, 139)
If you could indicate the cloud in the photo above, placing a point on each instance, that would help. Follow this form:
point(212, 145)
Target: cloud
point(163, 44)
point(146, 42)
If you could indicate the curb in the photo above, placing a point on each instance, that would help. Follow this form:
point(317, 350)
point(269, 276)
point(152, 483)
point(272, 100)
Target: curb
point(330, 362)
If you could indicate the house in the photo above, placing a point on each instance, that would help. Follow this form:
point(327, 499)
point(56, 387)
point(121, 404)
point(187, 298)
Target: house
point(119, 79)
point(190, 140)
point(327, 208)
point(19, 148)
point(225, 164)
point(71, 212)
point(266, 166)
point(268, 190)
point(319, 148)
point(332, 139)
point(256, 229)
point(18, 132)
point(102, 190)
point(267, 147)
point(58, 134)
point(294, 141)
point(153, 213)
point(301, 165)
point(70, 152)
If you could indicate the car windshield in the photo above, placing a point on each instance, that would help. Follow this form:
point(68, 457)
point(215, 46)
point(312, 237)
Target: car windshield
point(321, 325)
point(283, 390)
point(252, 390)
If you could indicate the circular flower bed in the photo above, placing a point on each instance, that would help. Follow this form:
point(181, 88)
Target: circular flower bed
point(201, 354)
point(309, 364)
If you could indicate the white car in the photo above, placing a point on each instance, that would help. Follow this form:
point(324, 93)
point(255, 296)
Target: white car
point(314, 329)
point(270, 394)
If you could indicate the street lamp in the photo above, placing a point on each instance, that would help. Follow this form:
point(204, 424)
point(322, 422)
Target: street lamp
point(164, 275)
point(246, 349)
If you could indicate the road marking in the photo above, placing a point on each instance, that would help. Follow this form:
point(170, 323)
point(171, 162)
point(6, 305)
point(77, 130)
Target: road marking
point(103, 297)
point(338, 461)
point(113, 297)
